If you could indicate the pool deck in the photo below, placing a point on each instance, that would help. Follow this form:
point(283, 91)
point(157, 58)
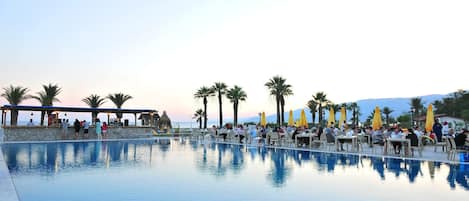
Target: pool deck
point(7, 189)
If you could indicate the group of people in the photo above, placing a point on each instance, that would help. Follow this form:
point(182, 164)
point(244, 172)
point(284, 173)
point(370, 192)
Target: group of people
point(375, 137)
point(101, 129)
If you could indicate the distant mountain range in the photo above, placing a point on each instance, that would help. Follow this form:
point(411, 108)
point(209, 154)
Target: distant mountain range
point(398, 105)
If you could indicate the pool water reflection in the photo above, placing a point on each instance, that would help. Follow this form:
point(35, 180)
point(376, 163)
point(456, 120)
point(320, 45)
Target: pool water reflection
point(178, 169)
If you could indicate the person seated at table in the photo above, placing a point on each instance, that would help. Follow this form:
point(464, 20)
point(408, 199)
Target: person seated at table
point(223, 132)
point(414, 139)
point(451, 132)
point(280, 131)
point(349, 133)
point(297, 131)
point(461, 139)
point(397, 134)
point(377, 137)
point(330, 136)
point(304, 140)
point(239, 132)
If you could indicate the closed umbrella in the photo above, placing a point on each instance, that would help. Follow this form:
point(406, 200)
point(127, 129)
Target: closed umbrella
point(430, 119)
point(377, 122)
point(263, 120)
point(343, 117)
point(303, 120)
point(331, 117)
point(291, 122)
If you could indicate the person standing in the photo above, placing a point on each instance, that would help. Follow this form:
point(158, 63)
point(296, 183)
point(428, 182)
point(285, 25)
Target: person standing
point(86, 127)
point(98, 128)
point(437, 129)
point(104, 129)
point(77, 126)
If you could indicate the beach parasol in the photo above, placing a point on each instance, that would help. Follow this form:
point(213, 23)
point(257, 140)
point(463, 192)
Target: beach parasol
point(343, 117)
point(430, 119)
point(263, 120)
point(303, 120)
point(331, 117)
point(291, 122)
point(377, 122)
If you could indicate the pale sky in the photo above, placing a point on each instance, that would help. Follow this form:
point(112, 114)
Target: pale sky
point(161, 52)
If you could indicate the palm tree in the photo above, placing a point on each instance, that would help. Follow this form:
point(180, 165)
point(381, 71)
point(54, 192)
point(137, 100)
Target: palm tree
point(355, 112)
point(94, 101)
point(235, 95)
point(220, 88)
point(286, 92)
point(47, 97)
point(279, 89)
point(119, 99)
point(204, 92)
point(321, 99)
point(15, 95)
point(312, 105)
point(199, 115)
point(387, 111)
point(417, 104)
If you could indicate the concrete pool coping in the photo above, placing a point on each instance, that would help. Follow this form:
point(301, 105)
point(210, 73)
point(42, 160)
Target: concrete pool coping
point(7, 189)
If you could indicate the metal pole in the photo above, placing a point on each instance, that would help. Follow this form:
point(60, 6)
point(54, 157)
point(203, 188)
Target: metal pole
point(135, 117)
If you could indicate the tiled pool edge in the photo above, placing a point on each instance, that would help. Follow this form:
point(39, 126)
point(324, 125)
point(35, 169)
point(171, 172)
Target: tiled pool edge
point(7, 189)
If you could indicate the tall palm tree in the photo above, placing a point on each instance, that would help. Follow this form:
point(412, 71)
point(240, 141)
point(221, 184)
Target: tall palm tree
point(94, 101)
point(313, 106)
point(235, 95)
point(220, 88)
point(15, 95)
point(119, 99)
point(387, 111)
point(355, 112)
point(279, 89)
point(321, 99)
point(198, 116)
point(417, 104)
point(204, 92)
point(285, 92)
point(47, 97)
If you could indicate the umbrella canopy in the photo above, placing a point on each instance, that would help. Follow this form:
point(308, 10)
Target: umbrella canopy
point(291, 122)
point(303, 120)
point(377, 122)
point(263, 120)
point(331, 117)
point(343, 117)
point(430, 119)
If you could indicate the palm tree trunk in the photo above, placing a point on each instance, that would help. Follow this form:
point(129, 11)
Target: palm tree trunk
point(282, 111)
point(14, 117)
point(94, 115)
point(205, 113)
point(278, 111)
point(42, 117)
point(220, 109)
point(320, 115)
point(200, 123)
point(235, 110)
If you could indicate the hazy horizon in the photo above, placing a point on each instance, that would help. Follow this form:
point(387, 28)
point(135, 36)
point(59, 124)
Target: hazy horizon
point(161, 52)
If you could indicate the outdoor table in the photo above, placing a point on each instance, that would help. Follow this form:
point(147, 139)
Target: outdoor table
point(405, 143)
point(308, 135)
point(354, 140)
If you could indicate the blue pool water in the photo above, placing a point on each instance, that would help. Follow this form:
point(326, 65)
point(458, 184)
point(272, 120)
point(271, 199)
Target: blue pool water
point(176, 169)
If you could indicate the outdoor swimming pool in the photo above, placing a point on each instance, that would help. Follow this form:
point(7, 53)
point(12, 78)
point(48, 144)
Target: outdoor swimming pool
point(176, 169)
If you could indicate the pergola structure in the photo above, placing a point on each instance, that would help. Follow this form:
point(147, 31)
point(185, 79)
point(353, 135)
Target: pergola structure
point(54, 109)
